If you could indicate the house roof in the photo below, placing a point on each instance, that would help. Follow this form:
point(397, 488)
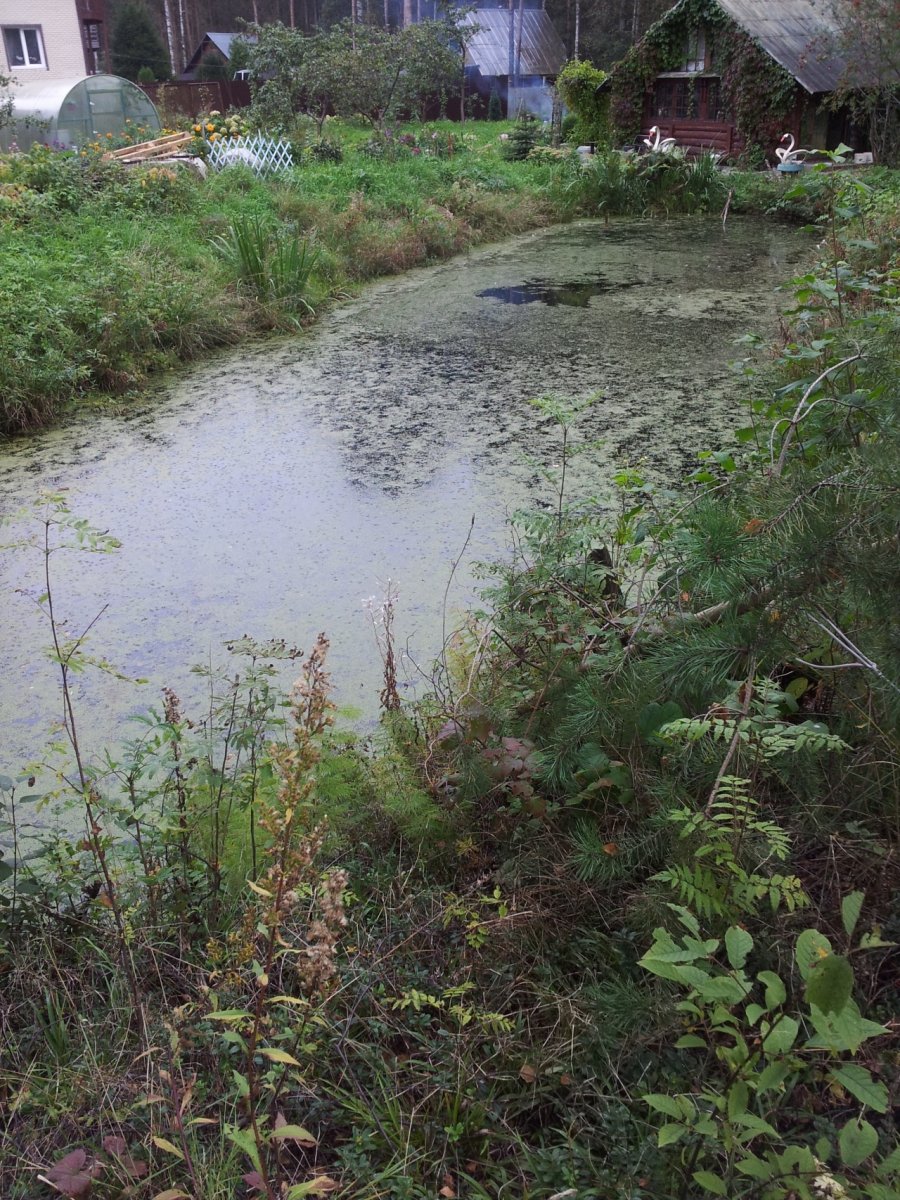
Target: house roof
point(221, 41)
point(543, 52)
point(796, 33)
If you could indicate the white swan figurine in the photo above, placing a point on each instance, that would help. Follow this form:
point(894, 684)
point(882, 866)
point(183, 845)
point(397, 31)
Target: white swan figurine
point(659, 145)
point(787, 154)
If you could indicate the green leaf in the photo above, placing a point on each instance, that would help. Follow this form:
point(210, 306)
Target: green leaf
point(738, 1095)
point(6, 784)
point(711, 1182)
point(772, 1076)
point(244, 1140)
point(295, 1133)
point(846, 1030)
point(229, 1014)
point(663, 1104)
point(670, 1133)
point(242, 1084)
point(889, 1165)
point(824, 1149)
point(755, 1167)
point(811, 948)
point(859, 1082)
point(756, 1124)
point(829, 983)
point(775, 990)
point(738, 944)
point(781, 1036)
point(851, 907)
point(690, 1041)
point(753, 1012)
point(857, 1141)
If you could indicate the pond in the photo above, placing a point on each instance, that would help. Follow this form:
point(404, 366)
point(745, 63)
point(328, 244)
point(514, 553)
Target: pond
point(272, 489)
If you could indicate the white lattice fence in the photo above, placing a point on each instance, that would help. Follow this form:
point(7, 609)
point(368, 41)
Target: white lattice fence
point(263, 155)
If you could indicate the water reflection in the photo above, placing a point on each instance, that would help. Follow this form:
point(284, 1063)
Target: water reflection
point(270, 489)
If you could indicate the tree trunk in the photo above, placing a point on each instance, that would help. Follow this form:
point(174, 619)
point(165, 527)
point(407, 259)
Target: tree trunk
point(408, 13)
point(512, 58)
point(577, 27)
point(291, 15)
point(387, 14)
point(170, 33)
point(635, 21)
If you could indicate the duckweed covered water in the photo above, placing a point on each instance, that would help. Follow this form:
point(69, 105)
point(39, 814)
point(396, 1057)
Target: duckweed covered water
point(272, 489)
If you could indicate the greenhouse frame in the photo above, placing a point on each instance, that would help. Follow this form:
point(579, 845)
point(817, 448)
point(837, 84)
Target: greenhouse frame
point(68, 114)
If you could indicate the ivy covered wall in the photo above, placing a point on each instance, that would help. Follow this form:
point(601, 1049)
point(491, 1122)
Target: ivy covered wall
point(760, 95)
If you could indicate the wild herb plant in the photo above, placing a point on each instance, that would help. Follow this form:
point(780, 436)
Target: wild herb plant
point(754, 1052)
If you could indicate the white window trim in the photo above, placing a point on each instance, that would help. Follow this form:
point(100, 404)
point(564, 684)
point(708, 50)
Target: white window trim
point(20, 30)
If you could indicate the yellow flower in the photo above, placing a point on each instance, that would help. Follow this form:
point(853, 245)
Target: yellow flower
point(209, 127)
point(197, 128)
point(213, 136)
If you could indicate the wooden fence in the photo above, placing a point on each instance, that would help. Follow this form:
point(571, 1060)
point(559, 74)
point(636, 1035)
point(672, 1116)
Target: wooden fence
point(192, 98)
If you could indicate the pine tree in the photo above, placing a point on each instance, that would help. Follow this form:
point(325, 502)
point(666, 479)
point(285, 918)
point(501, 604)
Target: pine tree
point(136, 43)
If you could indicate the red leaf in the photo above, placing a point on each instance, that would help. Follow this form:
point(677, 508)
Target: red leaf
point(254, 1180)
point(72, 1176)
point(135, 1167)
point(115, 1145)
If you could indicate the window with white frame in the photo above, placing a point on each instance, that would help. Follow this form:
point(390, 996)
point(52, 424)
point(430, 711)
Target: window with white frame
point(24, 46)
point(695, 52)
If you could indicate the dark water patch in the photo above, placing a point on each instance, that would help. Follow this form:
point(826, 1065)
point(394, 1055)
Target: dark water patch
point(576, 293)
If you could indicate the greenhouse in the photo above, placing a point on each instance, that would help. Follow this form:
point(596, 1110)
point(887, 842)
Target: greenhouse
point(72, 112)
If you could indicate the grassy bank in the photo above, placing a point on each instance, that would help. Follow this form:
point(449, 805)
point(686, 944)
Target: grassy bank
point(610, 916)
point(129, 271)
point(109, 273)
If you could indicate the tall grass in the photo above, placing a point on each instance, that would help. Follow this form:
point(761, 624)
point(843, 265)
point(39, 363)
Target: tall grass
point(272, 265)
point(617, 184)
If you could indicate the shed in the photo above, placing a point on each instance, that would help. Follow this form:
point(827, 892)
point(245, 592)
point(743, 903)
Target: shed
point(214, 50)
point(71, 112)
point(518, 53)
point(735, 73)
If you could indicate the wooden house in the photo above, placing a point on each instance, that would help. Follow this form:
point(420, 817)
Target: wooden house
point(515, 51)
point(212, 58)
point(733, 75)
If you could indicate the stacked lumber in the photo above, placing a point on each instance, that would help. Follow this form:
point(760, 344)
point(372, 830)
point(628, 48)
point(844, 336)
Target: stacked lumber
point(161, 147)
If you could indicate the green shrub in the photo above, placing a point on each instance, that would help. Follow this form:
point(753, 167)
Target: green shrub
point(579, 85)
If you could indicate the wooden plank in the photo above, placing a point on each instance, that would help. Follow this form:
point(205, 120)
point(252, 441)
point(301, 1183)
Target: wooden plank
point(151, 149)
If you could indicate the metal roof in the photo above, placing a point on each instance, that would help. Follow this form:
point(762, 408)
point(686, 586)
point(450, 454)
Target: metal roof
point(222, 42)
point(796, 33)
point(543, 52)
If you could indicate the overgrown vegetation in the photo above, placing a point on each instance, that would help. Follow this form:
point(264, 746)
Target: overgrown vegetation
point(134, 268)
point(126, 273)
point(611, 914)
